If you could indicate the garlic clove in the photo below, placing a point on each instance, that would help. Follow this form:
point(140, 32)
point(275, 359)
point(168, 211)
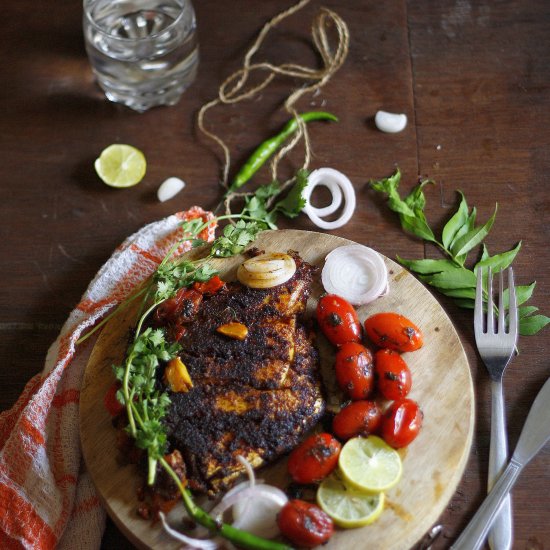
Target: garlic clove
point(390, 123)
point(169, 189)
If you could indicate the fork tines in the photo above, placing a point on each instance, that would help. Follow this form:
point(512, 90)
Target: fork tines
point(489, 327)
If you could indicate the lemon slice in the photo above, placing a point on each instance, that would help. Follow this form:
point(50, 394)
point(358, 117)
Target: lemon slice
point(347, 506)
point(121, 165)
point(369, 464)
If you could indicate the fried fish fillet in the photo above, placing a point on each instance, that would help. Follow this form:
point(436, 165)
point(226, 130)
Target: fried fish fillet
point(254, 397)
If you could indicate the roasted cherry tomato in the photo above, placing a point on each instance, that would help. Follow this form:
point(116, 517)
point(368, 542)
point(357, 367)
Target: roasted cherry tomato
point(354, 370)
point(338, 320)
point(112, 404)
point(304, 524)
point(181, 308)
point(357, 418)
point(393, 375)
point(215, 284)
point(314, 458)
point(393, 331)
point(401, 423)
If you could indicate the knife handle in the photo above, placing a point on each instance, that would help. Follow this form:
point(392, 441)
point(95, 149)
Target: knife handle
point(473, 537)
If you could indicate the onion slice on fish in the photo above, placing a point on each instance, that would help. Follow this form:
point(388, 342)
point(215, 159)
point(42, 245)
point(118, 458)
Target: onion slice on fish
point(356, 273)
point(266, 270)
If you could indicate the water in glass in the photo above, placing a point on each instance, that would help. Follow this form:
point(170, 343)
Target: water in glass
point(143, 52)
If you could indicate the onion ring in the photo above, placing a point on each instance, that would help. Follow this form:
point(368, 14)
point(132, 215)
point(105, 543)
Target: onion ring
point(331, 179)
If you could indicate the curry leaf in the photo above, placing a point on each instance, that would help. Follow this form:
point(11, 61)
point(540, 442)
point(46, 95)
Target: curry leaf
point(418, 227)
point(451, 279)
point(466, 293)
point(473, 237)
point(427, 266)
point(532, 324)
point(523, 293)
point(525, 311)
point(499, 261)
point(457, 221)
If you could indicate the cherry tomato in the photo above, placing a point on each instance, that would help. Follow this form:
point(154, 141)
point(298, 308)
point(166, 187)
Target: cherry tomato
point(215, 284)
point(393, 331)
point(304, 524)
point(314, 458)
point(357, 418)
point(181, 308)
point(401, 423)
point(338, 320)
point(354, 370)
point(393, 375)
point(112, 404)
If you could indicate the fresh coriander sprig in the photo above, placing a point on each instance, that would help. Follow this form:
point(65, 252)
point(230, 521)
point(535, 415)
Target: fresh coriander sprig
point(459, 237)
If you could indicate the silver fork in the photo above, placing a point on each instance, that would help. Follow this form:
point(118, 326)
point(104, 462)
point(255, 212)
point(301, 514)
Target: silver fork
point(496, 345)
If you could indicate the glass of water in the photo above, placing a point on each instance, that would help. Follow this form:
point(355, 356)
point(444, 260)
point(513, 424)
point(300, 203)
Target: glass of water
point(143, 52)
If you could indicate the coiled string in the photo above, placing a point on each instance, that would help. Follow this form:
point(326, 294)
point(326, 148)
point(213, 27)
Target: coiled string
point(234, 89)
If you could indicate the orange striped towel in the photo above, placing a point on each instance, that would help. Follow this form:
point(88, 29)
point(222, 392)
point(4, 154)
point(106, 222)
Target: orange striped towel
point(46, 496)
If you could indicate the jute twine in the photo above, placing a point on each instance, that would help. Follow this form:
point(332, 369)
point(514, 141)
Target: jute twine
point(234, 89)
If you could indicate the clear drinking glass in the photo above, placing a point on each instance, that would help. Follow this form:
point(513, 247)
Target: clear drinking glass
point(143, 52)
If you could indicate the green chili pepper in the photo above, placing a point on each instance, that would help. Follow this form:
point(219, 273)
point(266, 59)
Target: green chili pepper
point(268, 147)
point(243, 539)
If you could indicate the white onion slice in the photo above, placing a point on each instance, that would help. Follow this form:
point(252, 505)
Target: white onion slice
point(257, 492)
point(356, 273)
point(258, 515)
point(169, 189)
point(329, 178)
point(204, 544)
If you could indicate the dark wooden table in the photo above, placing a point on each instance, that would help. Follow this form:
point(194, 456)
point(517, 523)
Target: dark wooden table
point(473, 78)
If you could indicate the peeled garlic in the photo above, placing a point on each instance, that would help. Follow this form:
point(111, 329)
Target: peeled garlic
point(267, 270)
point(390, 122)
point(169, 189)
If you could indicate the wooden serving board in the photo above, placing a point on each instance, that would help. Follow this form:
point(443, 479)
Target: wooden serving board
point(432, 465)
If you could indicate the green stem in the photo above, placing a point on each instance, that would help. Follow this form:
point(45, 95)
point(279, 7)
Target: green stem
point(237, 536)
point(128, 399)
point(144, 316)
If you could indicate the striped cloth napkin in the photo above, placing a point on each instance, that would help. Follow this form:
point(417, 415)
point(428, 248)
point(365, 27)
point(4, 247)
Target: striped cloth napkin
point(47, 499)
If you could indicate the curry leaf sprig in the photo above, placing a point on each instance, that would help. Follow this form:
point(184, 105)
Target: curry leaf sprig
point(459, 237)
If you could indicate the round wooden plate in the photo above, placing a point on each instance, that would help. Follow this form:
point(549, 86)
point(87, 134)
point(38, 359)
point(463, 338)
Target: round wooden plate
point(432, 465)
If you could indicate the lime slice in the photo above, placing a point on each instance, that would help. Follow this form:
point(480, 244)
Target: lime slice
point(121, 165)
point(348, 507)
point(369, 464)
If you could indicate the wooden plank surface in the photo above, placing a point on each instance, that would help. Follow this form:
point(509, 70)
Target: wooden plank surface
point(473, 77)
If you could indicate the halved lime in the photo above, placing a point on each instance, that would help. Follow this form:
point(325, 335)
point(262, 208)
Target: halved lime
point(348, 507)
point(121, 165)
point(369, 464)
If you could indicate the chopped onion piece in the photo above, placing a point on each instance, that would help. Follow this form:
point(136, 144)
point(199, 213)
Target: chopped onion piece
point(331, 179)
point(356, 273)
point(169, 189)
point(390, 123)
point(204, 544)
